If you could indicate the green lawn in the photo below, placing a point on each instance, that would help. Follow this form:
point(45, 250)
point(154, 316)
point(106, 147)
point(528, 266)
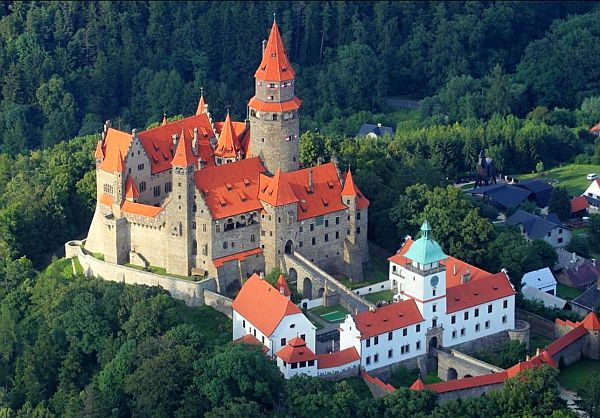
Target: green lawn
point(431, 378)
point(159, 270)
point(571, 377)
point(78, 267)
point(571, 176)
point(99, 256)
point(567, 292)
point(375, 271)
point(332, 314)
point(403, 377)
point(538, 341)
point(385, 295)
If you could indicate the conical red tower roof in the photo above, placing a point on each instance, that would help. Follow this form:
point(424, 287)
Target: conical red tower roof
point(131, 190)
point(164, 121)
point(201, 104)
point(282, 286)
point(351, 189)
point(228, 145)
point(184, 157)
point(275, 65)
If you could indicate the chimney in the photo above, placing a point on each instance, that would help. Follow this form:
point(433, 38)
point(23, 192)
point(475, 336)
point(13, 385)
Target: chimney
point(372, 308)
point(310, 180)
point(262, 275)
point(264, 46)
point(527, 358)
point(466, 277)
point(195, 142)
point(134, 133)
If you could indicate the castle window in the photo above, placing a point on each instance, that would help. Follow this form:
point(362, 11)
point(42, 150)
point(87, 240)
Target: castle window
point(433, 292)
point(262, 140)
point(218, 228)
point(225, 245)
point(504, 319)
point(300, 244)
point(194, 208)
point(283, 341)
point(129, 170)
point(505, 304)
point(477, 327)
point(312, 227)
point(462, 332)
point(194, 247)
point(358, 230)
point(326, 223)
point(404, 332)
point(271, 85)
point(193, 225)
point(314, 241)
point(418, 327)
point(168, 187)
point(453, 319)
point(337, 234)
point(390, 336)
point(301, 228)
point(326, 237)
point(140, 167)
point(274, 116)
point(434, 308)
point(357, 215)
point(490, 308)
point(142, 186)
point(453, 334)
point(466, 315)
point(252, 238)
point(418, 345)
point(203, 227)
point(476, 312)
point(156, 191)
point(108, 188)
point(376, 358)
point(337, 220)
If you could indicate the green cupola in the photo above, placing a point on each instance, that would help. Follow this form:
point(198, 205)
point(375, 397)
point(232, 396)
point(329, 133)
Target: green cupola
point(425, 251)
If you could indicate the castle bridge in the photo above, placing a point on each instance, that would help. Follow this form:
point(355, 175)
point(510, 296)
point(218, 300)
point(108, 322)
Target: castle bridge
point(312, 282)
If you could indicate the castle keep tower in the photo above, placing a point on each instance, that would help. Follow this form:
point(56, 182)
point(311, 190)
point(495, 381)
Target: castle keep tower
point(273, 111)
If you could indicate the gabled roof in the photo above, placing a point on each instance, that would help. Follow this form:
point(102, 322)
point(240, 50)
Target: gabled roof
point(241, 256)
point(387, 318)
point(425, 250)
point(505, 195)
point(591, 322)
point(271, 309)
point(275, 65)
point(539, 278)
point(99, 154)
point(550, 301)
point(566, 340)
point(351, 189)
point(184, 156)
point(228, 145)
point(534, 226)
point(134, 208)
point(579, 203)
point(230, 189)
point(131, 190)
point(338, 358)
point(455, 269)
point(477, 292)
point(116, 144)
point(276, 191)
point(282, 286)
point(582, 275)
point(589, 299)
point(296, 351)
point(252, 340)
point(469, 382)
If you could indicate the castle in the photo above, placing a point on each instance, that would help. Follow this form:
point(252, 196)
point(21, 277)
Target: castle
point(227, 199)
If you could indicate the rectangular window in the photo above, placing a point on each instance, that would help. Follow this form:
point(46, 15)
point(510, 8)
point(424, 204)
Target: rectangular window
point(376, 358)
point(314, 241)
point(560, 240)
point(312, 227)
point(453, 319)
point(505, 304)
point(477, 327)
point(390, 336)
point(418, 327)
point(487, 324)
point(218, 228)
point(476, 312)
point(357, 216)
point(376, 340)
point(337, 220)
point(462, 332)
point(368, 360)
point(294, 365)
point(301, 228)
point(142, 186)
point(404, 332)
point(300, 244)
point(302, 364)
point(337, 234)
point(326, 223)
point(453, 334)
point(466, 315)
point(368, 342)
point(303, 337)
point(434, 308)
point(156, 191)
point(326, 237)
point(140, 167)
point(418, 345)
point(504, 319)
point(225, 245)
point(243, 323)
point(489, 308)
point(390, 353)
point(193, 225)
point(168, 187)
point(311, 363)
point(252, 238)
point(358, 230)
point(283, 342)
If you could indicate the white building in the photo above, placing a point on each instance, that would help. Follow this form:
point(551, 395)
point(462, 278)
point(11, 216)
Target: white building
point(592, 194)
point(541, 279)
point(457, 302)
point(272, 318)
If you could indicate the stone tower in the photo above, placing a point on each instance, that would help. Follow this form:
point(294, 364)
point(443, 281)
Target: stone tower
point(273, 111)
point(180, 216)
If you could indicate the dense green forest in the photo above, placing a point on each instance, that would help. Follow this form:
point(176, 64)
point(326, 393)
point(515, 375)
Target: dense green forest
point(77, 347)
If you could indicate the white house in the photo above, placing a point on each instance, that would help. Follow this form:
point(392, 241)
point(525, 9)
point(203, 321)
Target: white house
point(386, 335)
point(458, 302)
point(296, 358)
point(272, 318)
point(541, 279)
point(592, 194)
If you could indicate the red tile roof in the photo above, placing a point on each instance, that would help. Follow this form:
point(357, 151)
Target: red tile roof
point(275, 190)
point(296, 351)
point(350, 189)
point(140, 209)
point(184, 156)
point(469, 382)
point(387, 318)
point(164, 121)
point(566, 340)
point(158, 142)
point(231, 189)
point(99, 154)
point(252, 340)
point(228, 144)
point(477, 292)
point(595, 128)
point(201, 105)
point(105, 199)
point(241, 256)
point(131, 190)
point(325, 197)
point(275, 65)
point(417, 385)
point(267, 314)
point(286, 106)
point(337, 359)
point(591, 322)
point(116, 144)
point(374, 380)
point(282, 286)
point(579, 203)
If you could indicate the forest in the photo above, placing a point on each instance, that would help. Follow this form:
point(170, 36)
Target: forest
point(516, 79)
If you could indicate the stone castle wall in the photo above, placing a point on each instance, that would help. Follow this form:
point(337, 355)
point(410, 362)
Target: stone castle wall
point(219, 302)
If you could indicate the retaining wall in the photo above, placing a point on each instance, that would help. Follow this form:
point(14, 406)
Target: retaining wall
point(218, 302)
point(192, 293)
point(537, 323)
point(372, 288)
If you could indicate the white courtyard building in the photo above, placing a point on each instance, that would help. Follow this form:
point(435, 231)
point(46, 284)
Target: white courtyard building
point(273, 319)
point(459, 302)
point(541, 279)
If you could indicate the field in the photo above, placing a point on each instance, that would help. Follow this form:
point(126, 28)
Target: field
point(567, 292)
point(573, 376)
point(385, 295)
point(332, 314)
point(571, 176)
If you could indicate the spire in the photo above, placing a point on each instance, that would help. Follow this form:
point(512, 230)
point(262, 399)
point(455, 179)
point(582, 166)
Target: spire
point(282, 286)
point(164, 121)
point(201, 104)
point(228, 144)
point(275, 65)
point(425, 250)
point(131, 190)
point(184, 157)
point(426, 229)
point(351, 189)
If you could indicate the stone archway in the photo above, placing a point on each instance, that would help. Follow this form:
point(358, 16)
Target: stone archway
point(452, 374)
point(292, 278)
point(289, 247)
point(306, 288)
point(433, 342)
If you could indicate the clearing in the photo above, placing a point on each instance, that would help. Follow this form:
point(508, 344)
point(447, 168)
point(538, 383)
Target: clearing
point(571, 176)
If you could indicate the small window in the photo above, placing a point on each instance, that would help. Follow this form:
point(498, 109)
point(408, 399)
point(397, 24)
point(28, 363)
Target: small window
point(283, 341)
point(294, 365)
point(312, 227)
point(274, 114)
point(504, 319)
point(302, 364)
point(314, 241)
point(140, 167)
point(418, 327)
point(477, 327)
point(326, 237)
point(404, 332)
point(337, 220)
point(462, 332)
point(453, 319)
point(225, 245)
point(418, 345)
point(311, 363)
point(326, 223)
point(376, 340)
point(390, 336)
point(337, 234)
point(505, 304)
point(142, 186)
point(466, 315)
point(376, 358)
point(476, 312)
point(487, 324)
point(368, 342)
point(358, 230)
point(357, 216)
point(390, 353)
point(156, 191)
point(300, 244)
point(434, 308)
point(368, 360)
point(243, 323)
point(490, 308)
point(453, 334)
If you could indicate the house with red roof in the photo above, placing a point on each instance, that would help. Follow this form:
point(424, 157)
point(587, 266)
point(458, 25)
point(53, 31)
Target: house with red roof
point(226, 199)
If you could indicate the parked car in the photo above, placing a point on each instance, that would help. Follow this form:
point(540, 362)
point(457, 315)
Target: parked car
point(592, 176)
